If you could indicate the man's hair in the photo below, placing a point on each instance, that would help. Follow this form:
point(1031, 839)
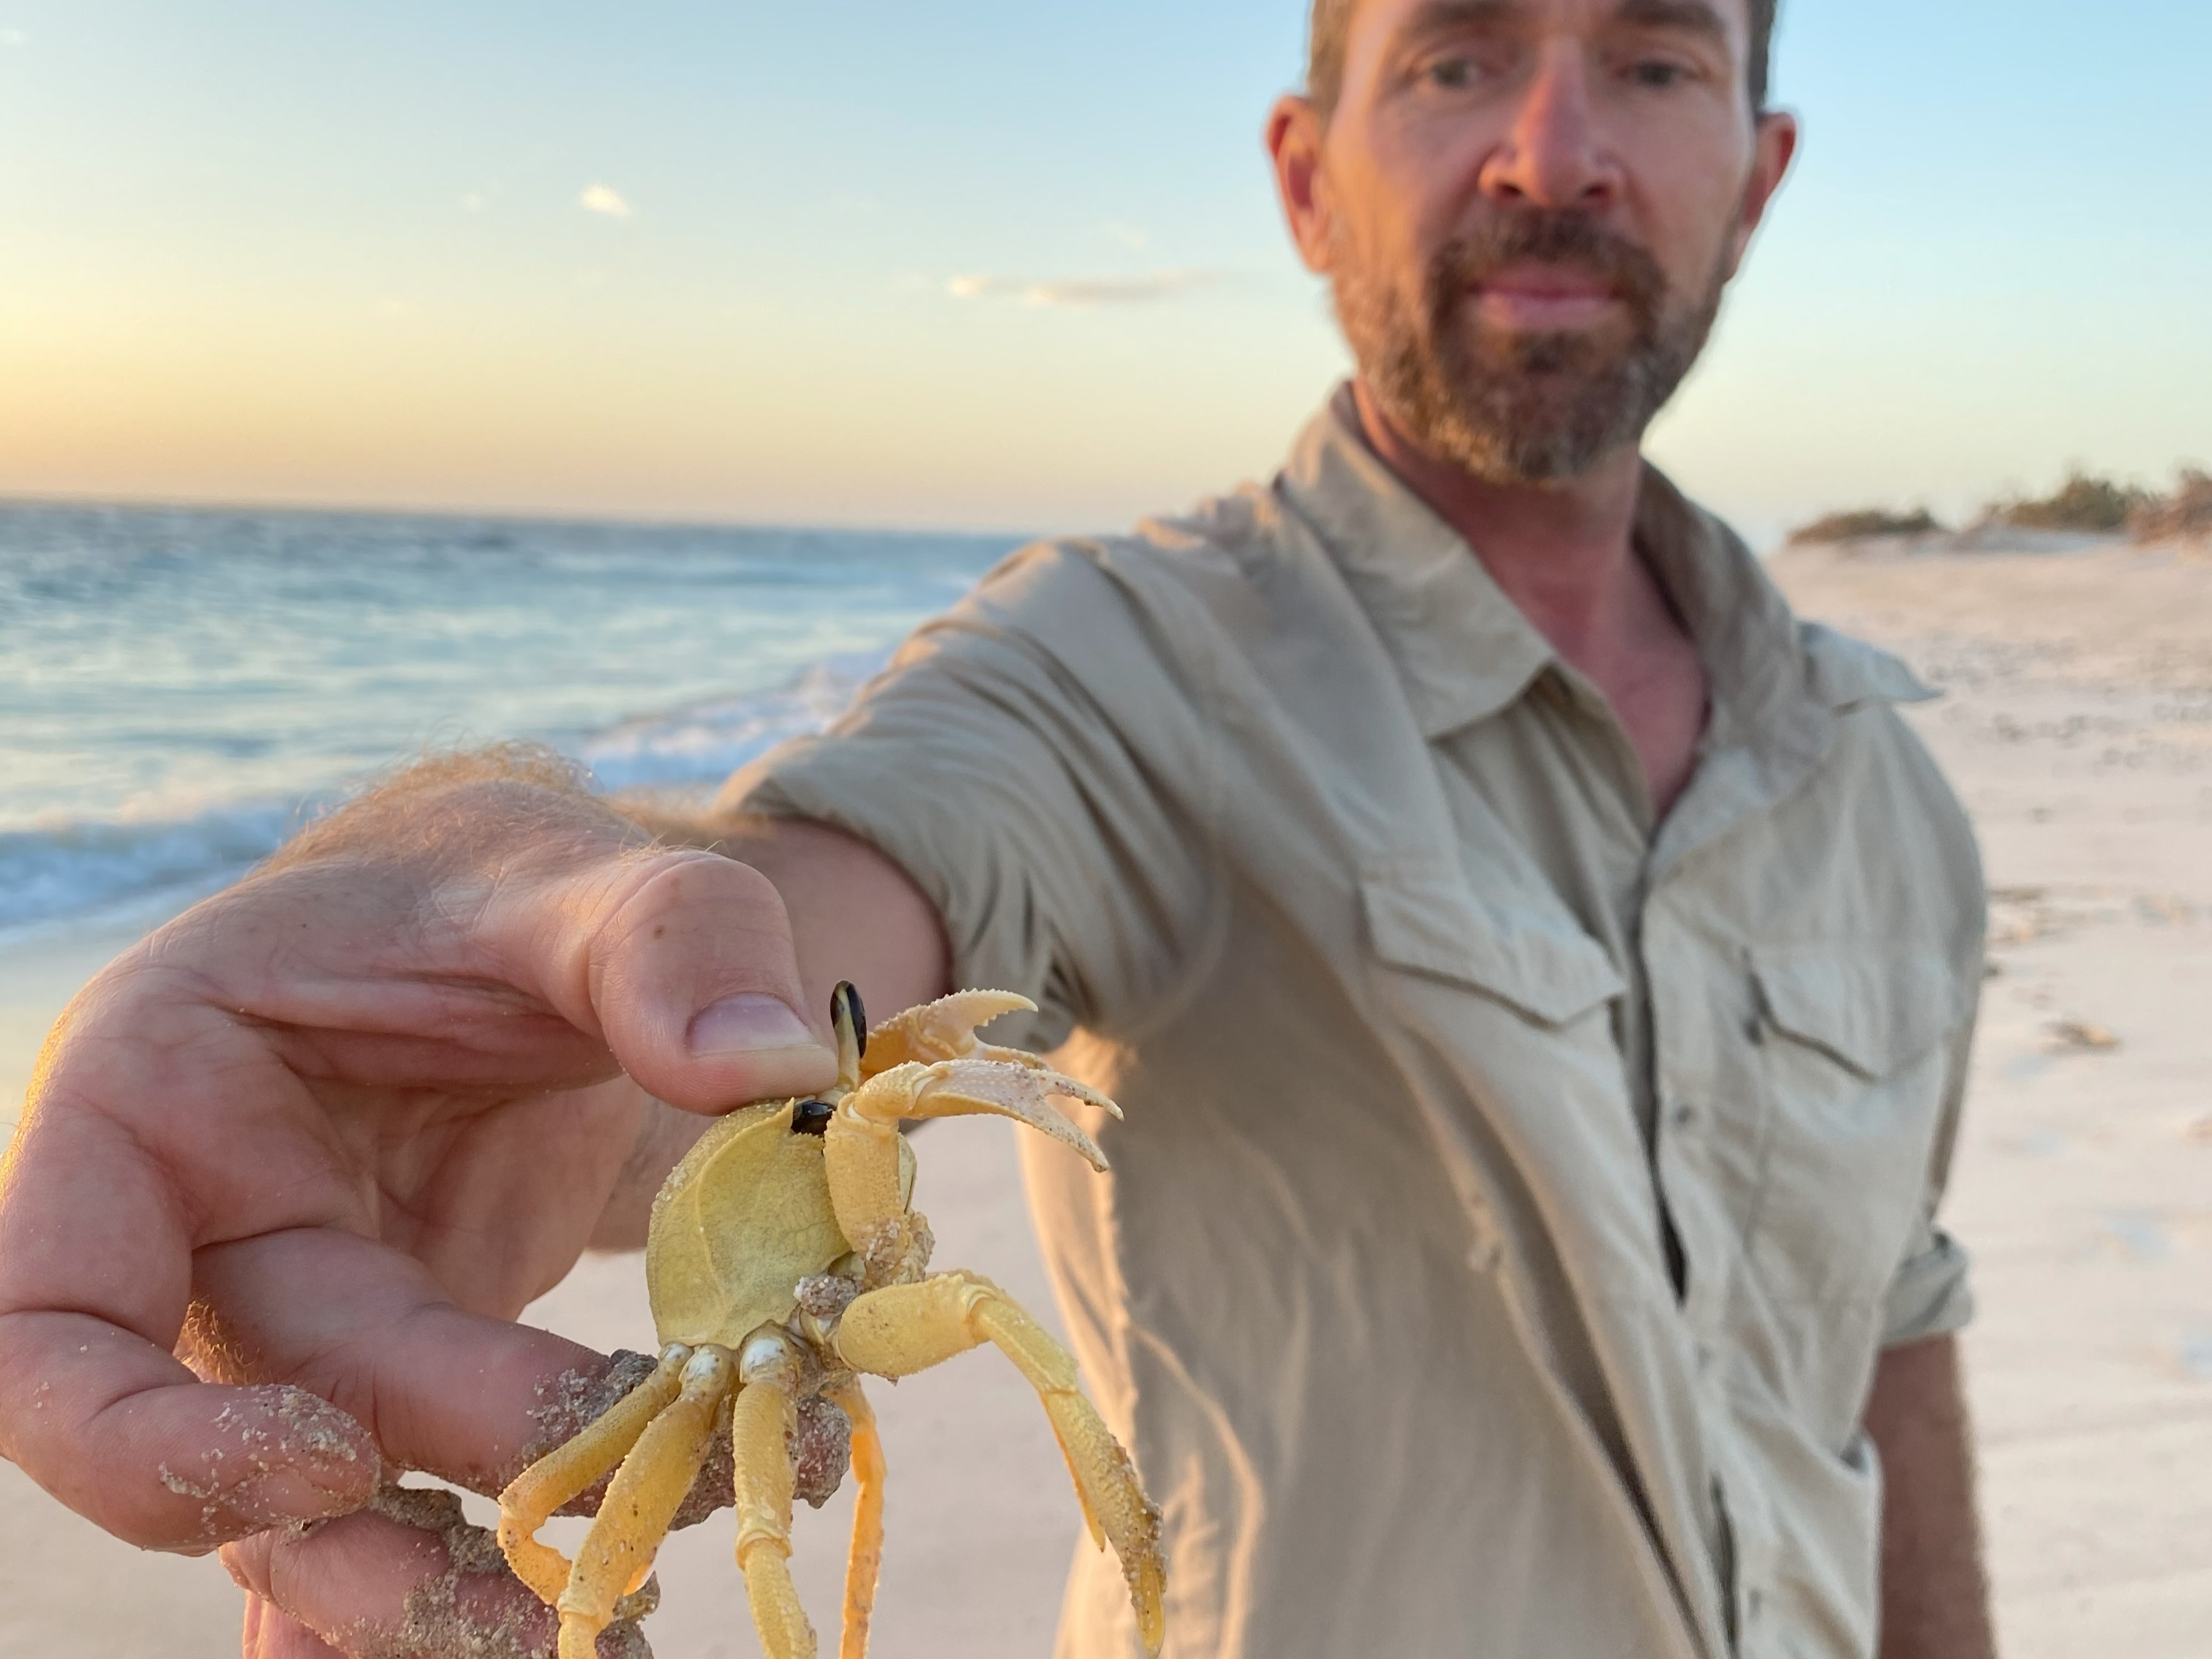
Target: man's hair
point(1332, 23)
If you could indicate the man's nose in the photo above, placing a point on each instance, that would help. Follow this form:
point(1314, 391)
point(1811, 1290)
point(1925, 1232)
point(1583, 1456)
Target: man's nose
point(1555, 154)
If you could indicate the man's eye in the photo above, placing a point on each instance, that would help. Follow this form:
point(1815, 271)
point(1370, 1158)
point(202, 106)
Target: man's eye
point(1455, 73)
point(1658, 74)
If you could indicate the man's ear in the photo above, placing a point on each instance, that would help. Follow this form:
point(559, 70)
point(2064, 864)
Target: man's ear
point(1774, 147)
point(1294, 137)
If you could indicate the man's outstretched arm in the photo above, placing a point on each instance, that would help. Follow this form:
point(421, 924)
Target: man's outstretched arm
point(1935, 1599)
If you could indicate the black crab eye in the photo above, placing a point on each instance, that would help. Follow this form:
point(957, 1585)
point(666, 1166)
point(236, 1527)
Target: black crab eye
point(845, 1004)
point(812, 1117)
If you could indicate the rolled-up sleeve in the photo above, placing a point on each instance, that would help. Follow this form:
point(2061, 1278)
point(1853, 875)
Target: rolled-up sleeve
point(993, 761)
point(1930, 1294)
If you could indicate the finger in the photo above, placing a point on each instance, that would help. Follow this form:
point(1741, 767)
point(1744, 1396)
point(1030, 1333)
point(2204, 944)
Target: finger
point(409, 1577)
point(470, 1400)
point(95, 1283)
point(123, 1434)
point(268, 1634)
point(546, 971)
point(684, 963)
point(383, 1368)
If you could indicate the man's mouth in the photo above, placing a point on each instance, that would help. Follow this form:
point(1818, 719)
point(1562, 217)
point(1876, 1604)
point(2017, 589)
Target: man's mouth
point(1535, 298)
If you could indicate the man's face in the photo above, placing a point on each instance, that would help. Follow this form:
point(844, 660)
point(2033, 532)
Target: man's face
point(1527, 210)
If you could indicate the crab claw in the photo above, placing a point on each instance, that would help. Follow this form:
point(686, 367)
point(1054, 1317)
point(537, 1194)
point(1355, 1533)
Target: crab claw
point(968, 1087)
point(945, 1030)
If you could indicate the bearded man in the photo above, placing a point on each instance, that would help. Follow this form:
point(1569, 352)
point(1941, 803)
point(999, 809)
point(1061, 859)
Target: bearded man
point(1538, 971)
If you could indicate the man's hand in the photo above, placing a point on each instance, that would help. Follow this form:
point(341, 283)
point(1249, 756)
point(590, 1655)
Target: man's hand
point(327, 1133)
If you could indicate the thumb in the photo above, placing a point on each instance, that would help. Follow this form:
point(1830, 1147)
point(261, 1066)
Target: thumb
point(683, 964)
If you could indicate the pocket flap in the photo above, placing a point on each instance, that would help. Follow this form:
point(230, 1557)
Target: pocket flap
point(1875, 1008)
point(1430, 920)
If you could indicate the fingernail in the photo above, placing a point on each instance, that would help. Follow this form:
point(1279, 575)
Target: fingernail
point(748, 1024)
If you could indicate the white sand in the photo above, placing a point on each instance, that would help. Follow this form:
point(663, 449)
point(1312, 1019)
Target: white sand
point(2079, 729)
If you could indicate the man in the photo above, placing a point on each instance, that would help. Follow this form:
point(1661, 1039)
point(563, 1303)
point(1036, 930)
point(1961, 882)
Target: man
point(1538, 973)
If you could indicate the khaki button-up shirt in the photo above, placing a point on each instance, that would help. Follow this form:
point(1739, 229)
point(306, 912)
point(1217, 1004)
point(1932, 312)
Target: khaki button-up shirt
point(1515, 1196)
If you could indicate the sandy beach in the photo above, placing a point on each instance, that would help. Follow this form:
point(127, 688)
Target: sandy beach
point(2078, 724)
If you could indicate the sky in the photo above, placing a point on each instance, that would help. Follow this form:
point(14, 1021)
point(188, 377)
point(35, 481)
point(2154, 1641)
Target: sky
point(993, 263)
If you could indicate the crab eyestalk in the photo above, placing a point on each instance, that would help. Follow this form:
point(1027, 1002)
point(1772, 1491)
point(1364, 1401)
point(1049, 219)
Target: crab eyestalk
point(849, 1020)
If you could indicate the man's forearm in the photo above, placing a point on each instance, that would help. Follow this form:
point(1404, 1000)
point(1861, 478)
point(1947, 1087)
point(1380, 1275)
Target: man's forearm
point(1935, 1599)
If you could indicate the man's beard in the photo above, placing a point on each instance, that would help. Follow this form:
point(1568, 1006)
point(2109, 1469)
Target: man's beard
point(1523, 408)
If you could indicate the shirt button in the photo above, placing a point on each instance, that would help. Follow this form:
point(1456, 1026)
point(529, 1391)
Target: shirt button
point(1685, 1113)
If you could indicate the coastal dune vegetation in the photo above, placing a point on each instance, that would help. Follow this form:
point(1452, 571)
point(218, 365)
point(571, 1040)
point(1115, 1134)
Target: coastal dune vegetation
point(2086, 503)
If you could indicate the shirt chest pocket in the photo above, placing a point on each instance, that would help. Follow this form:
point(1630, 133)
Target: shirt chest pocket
point(1849, 1081)
point(1427, 920)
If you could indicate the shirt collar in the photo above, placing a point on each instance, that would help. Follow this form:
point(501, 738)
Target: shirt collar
point(1465, 651)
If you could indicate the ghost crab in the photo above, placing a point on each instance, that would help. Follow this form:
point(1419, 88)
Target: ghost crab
point(783, 1263)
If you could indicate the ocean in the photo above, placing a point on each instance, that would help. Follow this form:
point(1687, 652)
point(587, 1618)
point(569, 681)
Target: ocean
point(181, 688)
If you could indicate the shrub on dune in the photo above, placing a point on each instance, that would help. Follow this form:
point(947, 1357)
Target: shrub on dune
point(2085, 503)
point(1860, 524)
point(2184, 515)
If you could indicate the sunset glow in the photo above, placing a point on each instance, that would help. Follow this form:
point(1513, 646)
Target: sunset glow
point(985, 265)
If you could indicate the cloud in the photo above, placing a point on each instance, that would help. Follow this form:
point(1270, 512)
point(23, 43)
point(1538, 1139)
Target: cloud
point(980, 288)
point(1128, 235)
point(603, 199)
point(1084, 293)
point(14, 37)
point(472, 203)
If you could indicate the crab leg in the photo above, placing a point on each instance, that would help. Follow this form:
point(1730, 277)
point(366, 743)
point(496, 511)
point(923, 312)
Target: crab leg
point(865, 1562)
point(640, 1502)
point(903, 1328)
point(759, 1425)
point(568, 1470)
